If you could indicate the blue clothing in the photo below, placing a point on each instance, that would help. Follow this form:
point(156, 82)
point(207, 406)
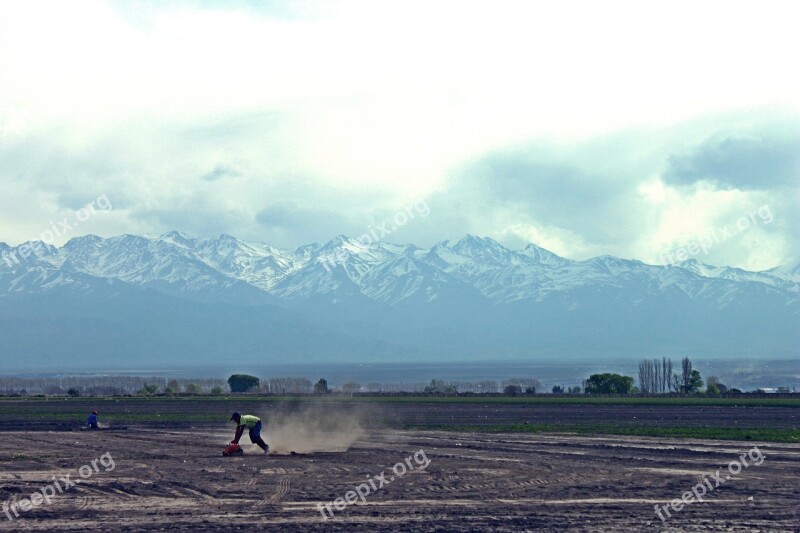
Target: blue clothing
point(255, 432)
point(92, 421)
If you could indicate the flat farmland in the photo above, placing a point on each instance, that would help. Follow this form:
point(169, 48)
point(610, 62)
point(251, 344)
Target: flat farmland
point(69, 413)
point(165, 471)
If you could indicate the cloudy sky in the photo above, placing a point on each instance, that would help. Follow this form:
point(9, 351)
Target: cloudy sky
point(589, 128)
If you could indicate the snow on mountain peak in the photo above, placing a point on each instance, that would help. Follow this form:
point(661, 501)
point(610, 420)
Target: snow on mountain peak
point(789, 272)
point(83, 240)
point(178, 235)
point(543, 256)
point(701, 269)
point(382, 271)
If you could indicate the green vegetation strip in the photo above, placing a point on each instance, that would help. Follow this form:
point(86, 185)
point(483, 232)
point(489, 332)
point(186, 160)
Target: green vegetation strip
point(759, 434)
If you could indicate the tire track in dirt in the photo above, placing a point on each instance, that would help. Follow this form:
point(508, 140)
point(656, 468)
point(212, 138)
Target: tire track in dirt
point(284, 484)
point(283, 487)
point(85, 502)
point(199, 494)
point(528, 484)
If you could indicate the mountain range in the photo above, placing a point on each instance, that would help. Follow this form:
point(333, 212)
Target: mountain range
point(176, 300)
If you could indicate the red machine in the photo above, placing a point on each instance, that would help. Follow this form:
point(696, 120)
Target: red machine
point(232, 449)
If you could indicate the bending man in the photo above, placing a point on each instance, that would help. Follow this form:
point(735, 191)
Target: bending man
point(253, 424)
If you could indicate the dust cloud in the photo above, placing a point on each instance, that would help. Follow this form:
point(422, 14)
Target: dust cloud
point(309, 428)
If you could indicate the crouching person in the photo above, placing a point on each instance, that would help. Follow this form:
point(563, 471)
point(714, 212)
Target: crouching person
point(253, 424)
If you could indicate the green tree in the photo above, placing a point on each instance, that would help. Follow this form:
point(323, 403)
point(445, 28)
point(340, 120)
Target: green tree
point(321, 386)
point(714, 380)
point(512, 390)
point(148, 390)
point(686, 375)
point(192, 388)
point(438, 386)
point(712, 389)
point(558, 389)
point(243, 382)
point(216, 390)
point(609, 384)
point(73, 392)
point(695, 382)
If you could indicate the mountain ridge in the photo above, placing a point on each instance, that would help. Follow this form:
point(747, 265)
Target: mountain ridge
point(344, 300)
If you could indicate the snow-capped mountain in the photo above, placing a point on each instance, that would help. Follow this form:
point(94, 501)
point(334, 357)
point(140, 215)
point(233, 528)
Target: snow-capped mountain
point(469, 297)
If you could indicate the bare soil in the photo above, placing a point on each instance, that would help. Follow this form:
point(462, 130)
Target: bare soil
point(176, 479)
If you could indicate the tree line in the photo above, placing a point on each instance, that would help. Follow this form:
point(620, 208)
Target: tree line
point(253, 384)
point(104, 385)
point(656, 376)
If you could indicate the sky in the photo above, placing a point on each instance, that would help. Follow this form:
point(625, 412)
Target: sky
point(634, 129)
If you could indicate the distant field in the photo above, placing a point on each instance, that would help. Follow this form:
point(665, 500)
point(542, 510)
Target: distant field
point(714, 433)
point(768, 419)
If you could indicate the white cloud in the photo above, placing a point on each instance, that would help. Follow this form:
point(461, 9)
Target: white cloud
point(353, 107)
